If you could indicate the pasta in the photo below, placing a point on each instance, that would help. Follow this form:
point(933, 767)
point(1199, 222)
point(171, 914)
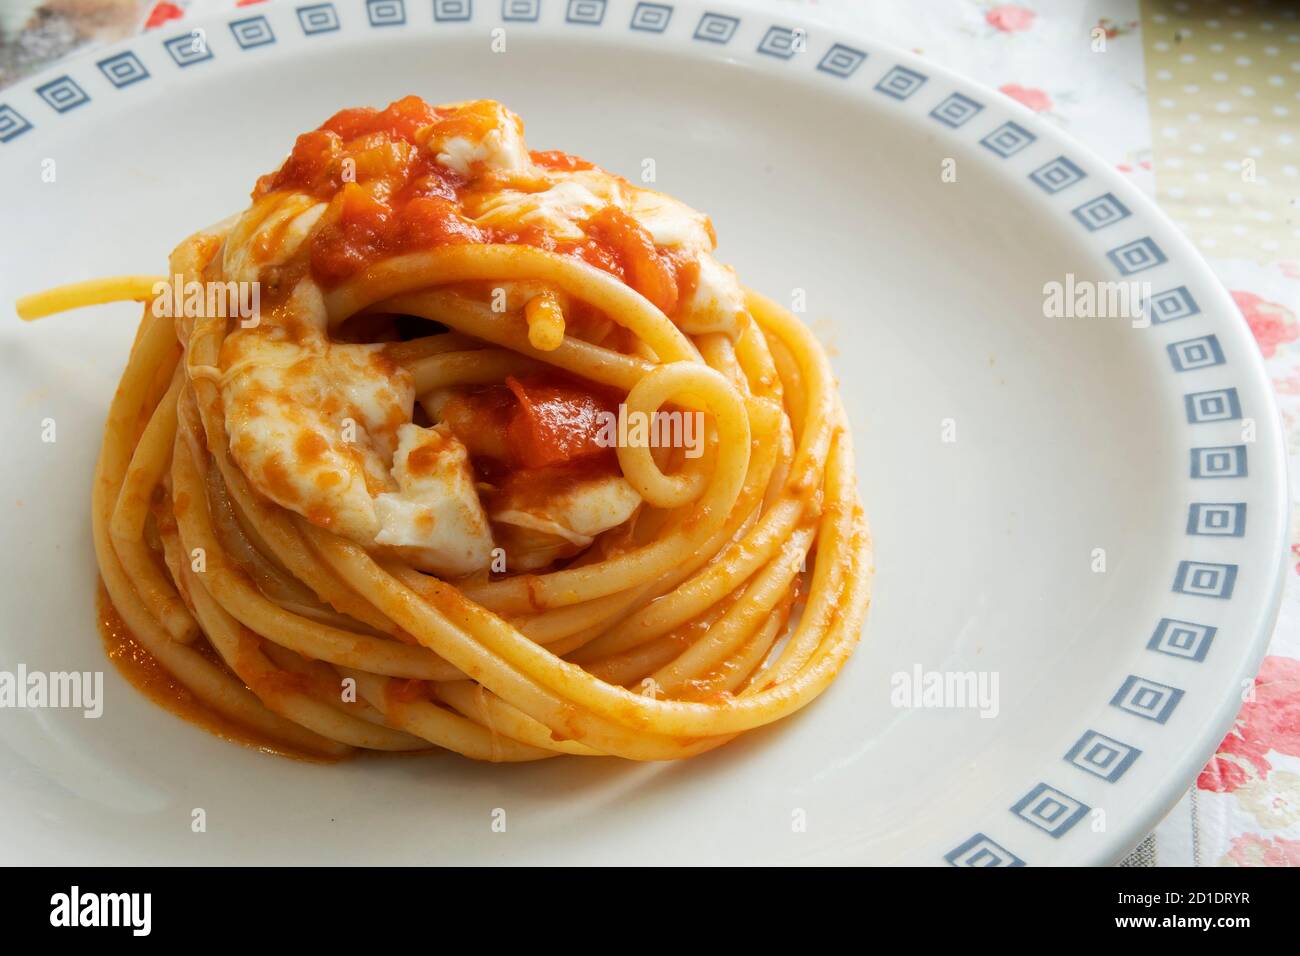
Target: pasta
point(448, 445)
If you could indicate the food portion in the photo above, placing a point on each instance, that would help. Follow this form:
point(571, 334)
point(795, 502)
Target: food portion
point(372, 185)
point(444, 443)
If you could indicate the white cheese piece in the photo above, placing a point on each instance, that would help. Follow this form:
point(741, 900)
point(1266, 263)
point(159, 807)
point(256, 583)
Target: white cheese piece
point(578, 514)
point(435, 517)
point(717, 303)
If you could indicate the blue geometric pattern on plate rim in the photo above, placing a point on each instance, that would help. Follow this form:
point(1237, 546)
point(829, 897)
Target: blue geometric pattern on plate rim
point(1220, 461)
point(1183, 639)
point(651, 17)
point(186, 49)
point(1188, 355)
point(1147, 699)
point(318, 18)
point(956, 110)
point(453, 11)
point(781, 42)
point(1044, 806)
point(1137, 256)
point(1216, 405)
point(123, 69)
point(1173, 304)
point(1221, 519)
point(901, 82)
point(12, 123)
point(1102, 756)
point(1101, 212)
point(1053, 811)
point(62, 94)
point(841, 61)
point(1206, 579)
point(386, 13)
point(252, 31)
point(1057, 174)
point(716, 27)
point(587, 12)
point(521, 11)
point(980, 850)
point(1008, 139)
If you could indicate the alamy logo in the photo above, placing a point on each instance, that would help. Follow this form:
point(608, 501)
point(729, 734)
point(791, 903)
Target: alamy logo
point(196, 300)
point(1085, 299)
point(22, 689)
point(633, 429)
point(75, 908)
point(943, 690)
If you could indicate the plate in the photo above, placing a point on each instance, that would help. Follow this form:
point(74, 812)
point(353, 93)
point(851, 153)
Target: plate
point(1079, 521)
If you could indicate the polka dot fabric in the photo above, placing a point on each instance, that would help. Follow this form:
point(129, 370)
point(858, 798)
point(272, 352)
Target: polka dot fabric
point(1224, 92)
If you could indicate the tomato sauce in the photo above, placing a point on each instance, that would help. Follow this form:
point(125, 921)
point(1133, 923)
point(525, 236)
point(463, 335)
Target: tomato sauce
point(142, 670)
point(533, 422)
point(389, 196)
point(555, 423)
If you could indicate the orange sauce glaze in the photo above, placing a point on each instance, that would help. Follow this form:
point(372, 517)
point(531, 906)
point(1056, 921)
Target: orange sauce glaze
point(400, 199)
point(142, 670)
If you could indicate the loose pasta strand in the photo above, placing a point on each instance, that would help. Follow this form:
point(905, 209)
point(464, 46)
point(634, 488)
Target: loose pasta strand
point(90, 292)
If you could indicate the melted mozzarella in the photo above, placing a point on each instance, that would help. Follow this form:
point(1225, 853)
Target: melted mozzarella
point(434, 517)
point(671, 224)
point(269, 234)
point(559, 210)
point(324, 430)
point(314, 425)
point(577, 514)
point(717, 303)
point(500, 149)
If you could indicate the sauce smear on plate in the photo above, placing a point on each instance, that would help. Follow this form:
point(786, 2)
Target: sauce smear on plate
point(143, 671)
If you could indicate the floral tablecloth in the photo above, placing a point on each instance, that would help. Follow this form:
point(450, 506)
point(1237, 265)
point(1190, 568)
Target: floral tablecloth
point(1197, 103)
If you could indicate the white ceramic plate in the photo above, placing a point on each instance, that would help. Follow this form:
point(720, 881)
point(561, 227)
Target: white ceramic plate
point(820, 158)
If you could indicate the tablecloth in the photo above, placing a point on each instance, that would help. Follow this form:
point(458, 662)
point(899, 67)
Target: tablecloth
point(1197, 102)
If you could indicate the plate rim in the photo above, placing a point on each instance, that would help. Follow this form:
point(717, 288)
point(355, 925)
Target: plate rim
point(1189, 264)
